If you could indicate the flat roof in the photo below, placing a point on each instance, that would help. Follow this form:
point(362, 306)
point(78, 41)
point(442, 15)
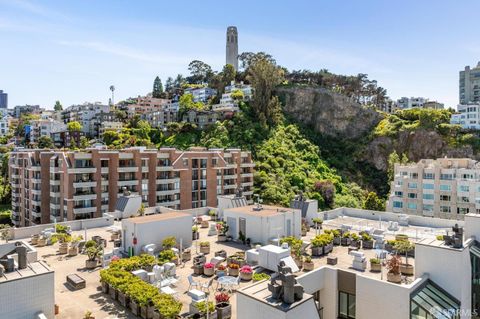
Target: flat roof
point(266, 210)
point(33, 269)
point(157, 217)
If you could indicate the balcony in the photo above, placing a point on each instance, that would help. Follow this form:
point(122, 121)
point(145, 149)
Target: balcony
point(246, 184)
point(247, 193)
point(246, 174)
point(35, 202)
point(82, 170)
point(229, 176)
point(167, 180)
point(35, 168)
point(36, 214)
point(84, 210)
point(81, 183)
point(85, 196)
point(247, 165)
point(55, 182)
point(15, 176)
point(54, 206)
point(169, 203)
point(229, 186)
point(127, 169)
point(145, 169)
point(164, 168)
point(36, 180)
point(127, 182)
point(16, 185)
point(168, 192)
point(231, 165)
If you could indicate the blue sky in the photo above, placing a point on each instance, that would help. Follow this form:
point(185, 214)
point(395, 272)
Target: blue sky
point(74, 50)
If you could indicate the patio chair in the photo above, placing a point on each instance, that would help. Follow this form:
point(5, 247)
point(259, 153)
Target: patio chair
point(237, 283)
point(192, 283)
point(208, 284)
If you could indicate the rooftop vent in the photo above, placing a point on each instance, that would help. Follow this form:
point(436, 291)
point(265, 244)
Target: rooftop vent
point(284, 287)
point(455, 240)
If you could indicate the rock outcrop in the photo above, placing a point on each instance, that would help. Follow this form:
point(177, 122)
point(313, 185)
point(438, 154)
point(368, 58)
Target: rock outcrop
point(328, 113)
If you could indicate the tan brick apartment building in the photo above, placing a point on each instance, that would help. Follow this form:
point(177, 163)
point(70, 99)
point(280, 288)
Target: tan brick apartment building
point(51, 184)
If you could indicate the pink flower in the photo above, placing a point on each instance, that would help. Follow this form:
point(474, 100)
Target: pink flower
point(208, 265)
point(246, 269)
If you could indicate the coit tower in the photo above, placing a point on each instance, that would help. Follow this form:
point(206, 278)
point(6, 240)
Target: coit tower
point(232, 47)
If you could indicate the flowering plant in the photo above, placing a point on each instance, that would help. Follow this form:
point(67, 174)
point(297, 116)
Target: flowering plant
point(208, 265)
point(233, 266)
point(222, 297)
point(221, 267)
point(246, 269)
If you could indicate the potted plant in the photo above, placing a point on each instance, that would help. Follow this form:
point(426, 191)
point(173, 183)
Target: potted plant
point(104, 278)
point(220, 271)
point(34, 239)
point(221, 253)
point(198, 268)
point(355, 240)
point(308, 263)
point(246, 273)
point(93, 253)
point(233, 269)
point(223, 307)
point(169, 242)
point(205, 247)
point(195, 234)
point(260, 276)
point(317, 245)
point(73, 249)
point(42, 241)
point(403, 247)
point(367, 241)
point(375, 265)
point(213, 214)
point(88, 315)
point(208, 269)
point(186, 254)
point(122, 295)
point(317, 223)
point(166, 307)
point(393, 267)
point(390, 244)
point(222, 229)
point(202, 308)
point(304, 229)
point(336, 237)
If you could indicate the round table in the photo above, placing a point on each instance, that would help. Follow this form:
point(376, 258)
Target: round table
point(227, 282)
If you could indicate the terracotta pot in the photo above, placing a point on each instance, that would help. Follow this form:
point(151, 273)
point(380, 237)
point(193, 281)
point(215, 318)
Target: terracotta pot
point(375, 267)
point(91, 264)
point(395, 278)
point(246, 276)
point(208, 271)
point(205, 249)
point(233, 272)
point(224, 310)
point(406, 269)
point(308, 266)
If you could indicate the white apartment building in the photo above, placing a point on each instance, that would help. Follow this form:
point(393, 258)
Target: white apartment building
point(226, 104)
point(201, 94)
point(469, 85)
point(84, 114)
point(445, 188)
point(410, 103)
point(45, 127)
point(4, 121)
point(468, 116)
point(245, 88)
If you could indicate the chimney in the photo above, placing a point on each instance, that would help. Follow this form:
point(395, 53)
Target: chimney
point(22, 256)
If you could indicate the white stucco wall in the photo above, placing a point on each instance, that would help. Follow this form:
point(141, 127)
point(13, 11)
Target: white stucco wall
point(154, 232)
point(472, 226)
point(26, 297)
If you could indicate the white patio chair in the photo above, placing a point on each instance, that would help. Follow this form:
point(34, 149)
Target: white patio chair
point(192, 283)
point(207, 285)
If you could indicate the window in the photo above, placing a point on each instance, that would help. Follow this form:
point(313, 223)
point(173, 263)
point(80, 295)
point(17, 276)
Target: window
point(445, 209)
point(446, 188)
point(412, 185)
point(445, 198)
point(412, 205)
point(462, 210)
point(399, 194)
point(428, 208)
point(428, 186)
point(428, 176)
point(346, 305)
point(428, 196)
point(464, 199)
point(446, 177)
point(397, 204)
point(463, 188)
point(412, 195)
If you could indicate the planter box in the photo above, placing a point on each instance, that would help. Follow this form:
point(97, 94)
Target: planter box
point(317, 251)
point(41, 242)
point(233, 272)
point(337, 241)
point(205, 250)
point(308, 266)
point(73, 251)
point(186, 256)
point(221, 253)
point(147, 312)
point(198, 269)
point(328, 248)
point(389, 247)
point(346, 241)
point(195, 235)
point(355, 243)
point(104, 287)
point(63, 248)
point(156, 315)
point(407, 269)
point(134, 307)
point(200, 259)
point(375, 267)
point(91, 264)
point(224, 310)
point(246, 276)
point(124, 299)
point(112, 292)
point(208, 271)
point(367, 244)
point(304, 233)
point(394, 278)
point(34, 240)
point(332, 260)
point(204, 224)
point(222, 238)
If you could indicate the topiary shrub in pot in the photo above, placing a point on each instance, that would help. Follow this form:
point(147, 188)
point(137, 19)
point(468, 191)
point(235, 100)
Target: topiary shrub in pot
point(355, 240)
point(246, 273)
point(346, 240)
point(93, 253)
point(205, 247)
point(195, 233)
point(403, 247)
point(202, 309)
point(337, 238)
point(223, 307)
point(308, 263)
point(367, 241)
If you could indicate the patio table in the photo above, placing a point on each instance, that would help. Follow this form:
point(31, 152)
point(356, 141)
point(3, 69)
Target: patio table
point(227, 282)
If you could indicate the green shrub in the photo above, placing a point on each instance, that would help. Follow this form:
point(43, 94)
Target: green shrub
point(440, 237)
point(260, 276)
point(169, 242)
point(90, 243)
point(374, 260)
point(166, 256)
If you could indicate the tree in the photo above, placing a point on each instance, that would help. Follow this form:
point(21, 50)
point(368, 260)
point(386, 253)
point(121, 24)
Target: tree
point(228, 74)
point(373, 202)
point(248, 58)
point(237, 95)
point(58, 106)
point(73, 143)
point(393, 159)
point(200, 72)
point(327, 191)
point(169, 85)
point(5, 232)
point(45, 142)
point(157, 88)
point(186, 103)
point(110, 136)
point(74, 126)
point(84, 142)
point(264, 77)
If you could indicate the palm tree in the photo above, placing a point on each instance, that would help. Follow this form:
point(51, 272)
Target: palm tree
point(112, 88)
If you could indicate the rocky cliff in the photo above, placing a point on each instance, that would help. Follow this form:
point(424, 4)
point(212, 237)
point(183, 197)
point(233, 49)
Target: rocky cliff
point(328, 113)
